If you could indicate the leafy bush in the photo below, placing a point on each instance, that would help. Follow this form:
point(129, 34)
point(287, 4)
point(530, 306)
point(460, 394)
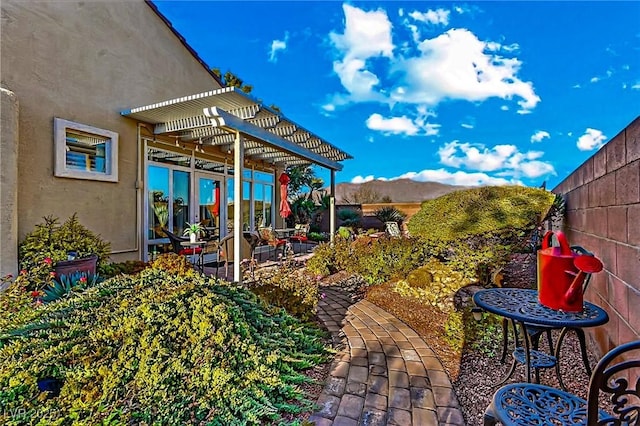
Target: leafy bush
point(174, 264)
point(156, 348)
point(318, 236)
point(377, 260)
point(50, 242)
point(288, 287)
point(350, 217)
point(476, 230)
point(434, 283)
point(390, 214)
point(127, 267)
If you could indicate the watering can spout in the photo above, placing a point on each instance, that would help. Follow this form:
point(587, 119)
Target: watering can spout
point(585, 265)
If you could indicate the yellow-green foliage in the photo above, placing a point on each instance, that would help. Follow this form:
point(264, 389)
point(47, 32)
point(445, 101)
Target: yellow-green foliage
point(174, 263)
point(288, 287)
point(156, 348)
point(435, 283)
point(476, 230)
point(377, 260)
point(479, 211)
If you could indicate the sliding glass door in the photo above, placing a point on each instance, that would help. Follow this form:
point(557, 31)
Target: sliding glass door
point(209, 207)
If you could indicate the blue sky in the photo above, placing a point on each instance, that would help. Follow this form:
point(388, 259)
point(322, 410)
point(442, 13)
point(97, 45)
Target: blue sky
point(461, 93)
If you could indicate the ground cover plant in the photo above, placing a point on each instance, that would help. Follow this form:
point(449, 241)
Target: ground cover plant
point(153, 348)
point(289, 287)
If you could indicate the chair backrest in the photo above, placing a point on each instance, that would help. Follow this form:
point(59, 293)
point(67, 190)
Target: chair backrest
point(621, 380)
point(226, 248)
point(175, 240)
point(392, 229)
point(267, 235)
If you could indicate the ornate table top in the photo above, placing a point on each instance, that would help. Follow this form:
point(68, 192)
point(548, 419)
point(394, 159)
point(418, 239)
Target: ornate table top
point(522, 305)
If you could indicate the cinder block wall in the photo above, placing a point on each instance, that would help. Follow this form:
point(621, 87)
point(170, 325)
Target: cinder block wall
point(603, 215)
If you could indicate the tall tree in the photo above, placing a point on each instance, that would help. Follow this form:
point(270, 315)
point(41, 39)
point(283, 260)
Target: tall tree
point(301, 176)
point(230, 79)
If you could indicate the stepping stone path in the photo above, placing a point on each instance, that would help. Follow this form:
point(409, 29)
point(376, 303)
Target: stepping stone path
point(383, 374)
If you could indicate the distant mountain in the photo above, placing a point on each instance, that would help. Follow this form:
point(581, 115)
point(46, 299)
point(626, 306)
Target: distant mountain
point(399, 190)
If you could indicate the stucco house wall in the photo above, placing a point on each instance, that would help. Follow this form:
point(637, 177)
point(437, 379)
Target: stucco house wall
point(86, 61)
point(603, 215)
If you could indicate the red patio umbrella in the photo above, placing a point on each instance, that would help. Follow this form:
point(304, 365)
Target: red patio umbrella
point(285, 210)
point(216, 204)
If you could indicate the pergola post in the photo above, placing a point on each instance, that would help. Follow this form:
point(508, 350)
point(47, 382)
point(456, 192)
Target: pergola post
point(238, 166)
point(332, 206)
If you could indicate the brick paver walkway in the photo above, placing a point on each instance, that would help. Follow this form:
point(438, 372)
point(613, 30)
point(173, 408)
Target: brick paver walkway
point(383, 374)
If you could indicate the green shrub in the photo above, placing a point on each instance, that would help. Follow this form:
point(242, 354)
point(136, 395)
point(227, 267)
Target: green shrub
point(157, 348)
point(320, 237)
point(390, 214)
point(288, 287)
point(435, 283)
point(377, 260)
point(476, 230)
point(50, 242)
point(350, 217)
point(127, 267)
point(174, 264)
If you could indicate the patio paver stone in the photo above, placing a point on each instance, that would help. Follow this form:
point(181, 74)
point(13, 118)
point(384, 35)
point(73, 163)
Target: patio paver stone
point(383, 374)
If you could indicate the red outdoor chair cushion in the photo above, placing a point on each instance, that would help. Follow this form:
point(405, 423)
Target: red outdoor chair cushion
point(190, 251)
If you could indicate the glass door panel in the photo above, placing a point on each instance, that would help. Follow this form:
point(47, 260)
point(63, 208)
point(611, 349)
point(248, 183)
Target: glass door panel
point(158, 196)
point(209, 204)
point(230, 198)
point(181, 191)
point(246, 207)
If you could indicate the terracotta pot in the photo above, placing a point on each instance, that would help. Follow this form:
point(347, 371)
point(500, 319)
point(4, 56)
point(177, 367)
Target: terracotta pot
point(87, 264)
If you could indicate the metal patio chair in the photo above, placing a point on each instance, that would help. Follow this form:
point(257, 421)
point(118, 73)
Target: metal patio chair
point(535, 404)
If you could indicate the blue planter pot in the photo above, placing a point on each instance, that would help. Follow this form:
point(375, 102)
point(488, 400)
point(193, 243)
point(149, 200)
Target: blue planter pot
point(50, 385)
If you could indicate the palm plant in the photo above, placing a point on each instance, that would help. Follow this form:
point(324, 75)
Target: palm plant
point(390, 214)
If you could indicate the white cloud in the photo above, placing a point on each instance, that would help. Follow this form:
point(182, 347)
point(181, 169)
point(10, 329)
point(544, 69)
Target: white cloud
point(534, 169)
point(366, 35)
point(592, 139)
point(539, 136)
point(505, 159)
point(636, 86)
point(433, 17)
point(276, 46)
point(452, 65)
point(360, 179)
point(576, 86)
point(393, 125)
point(467, 126)
point(402, 125)
point(594, 79)
point(475, 157)
point(504, 108)
point(457, 65)
point(456, 178)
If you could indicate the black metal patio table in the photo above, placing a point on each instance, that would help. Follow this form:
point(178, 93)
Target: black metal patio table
point(521, 306)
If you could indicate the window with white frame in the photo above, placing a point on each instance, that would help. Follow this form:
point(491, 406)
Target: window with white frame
point(85, 152)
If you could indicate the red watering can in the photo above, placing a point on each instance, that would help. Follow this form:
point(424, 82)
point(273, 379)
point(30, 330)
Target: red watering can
point(561, 273)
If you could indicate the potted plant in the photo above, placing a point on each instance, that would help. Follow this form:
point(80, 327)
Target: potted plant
point(193, 230)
